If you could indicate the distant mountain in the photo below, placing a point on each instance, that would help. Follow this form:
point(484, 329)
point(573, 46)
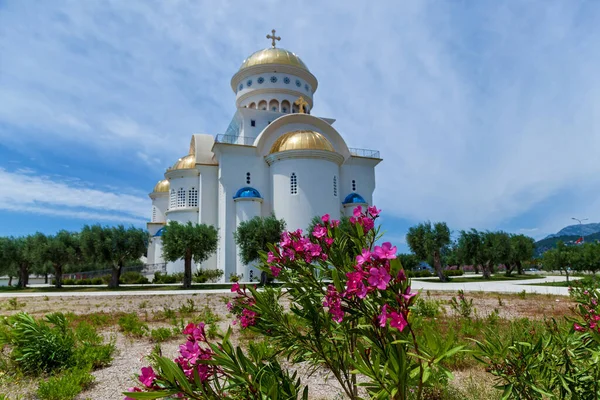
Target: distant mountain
point(550, 242)
point(577, 230)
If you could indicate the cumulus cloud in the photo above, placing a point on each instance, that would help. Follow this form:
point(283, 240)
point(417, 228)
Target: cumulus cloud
point(483, 111)
point(24, 191)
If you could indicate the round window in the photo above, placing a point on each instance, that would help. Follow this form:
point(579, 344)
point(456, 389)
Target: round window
point(249, 82)
point(286, 80)
point(260, 80)
point(273, 79)
point(241, 86)
point(306, 87)
point(298, 83)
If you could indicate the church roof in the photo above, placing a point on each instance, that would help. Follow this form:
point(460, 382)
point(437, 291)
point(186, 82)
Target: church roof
point(186, 162)
point(162, 186)
point(273, 55)
point(247, 192)
point(354, 198)
point(301, 140)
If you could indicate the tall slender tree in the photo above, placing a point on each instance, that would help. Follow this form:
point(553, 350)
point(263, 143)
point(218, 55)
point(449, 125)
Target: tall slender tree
point(188, 242)
point(522, 250)
point(61, 249)
point(430, 242)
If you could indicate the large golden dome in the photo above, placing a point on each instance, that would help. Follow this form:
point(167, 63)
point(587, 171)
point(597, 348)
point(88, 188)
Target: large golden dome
point(186, 162)
point(162, 186)
point(273, 55)
point(301, 140)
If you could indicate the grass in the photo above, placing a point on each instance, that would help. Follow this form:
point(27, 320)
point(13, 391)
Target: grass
point(65, 386)
point(150, 287)
point(588, 281)
point(495, 277)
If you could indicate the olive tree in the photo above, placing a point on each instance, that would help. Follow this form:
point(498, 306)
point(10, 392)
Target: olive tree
point(429, 241)
point(188, 242)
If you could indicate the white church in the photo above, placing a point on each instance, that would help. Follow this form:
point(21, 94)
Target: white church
point(275, 158)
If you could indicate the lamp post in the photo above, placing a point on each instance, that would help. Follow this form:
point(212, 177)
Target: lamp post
point(581, 227)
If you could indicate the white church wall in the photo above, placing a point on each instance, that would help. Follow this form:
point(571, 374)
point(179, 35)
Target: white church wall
point(314, 195)
point(160, 204)
point(252, 87)
point(362, 172)
point(208, 207)
point(234, 163)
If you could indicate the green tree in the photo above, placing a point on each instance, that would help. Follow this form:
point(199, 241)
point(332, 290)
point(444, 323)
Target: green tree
point(187, 242)
point(496, 250)
point(61, 249)
point(113, 246)
point(8, 254)
point(469, 249)
point(522, 250)
point(558, 259)
point(252, 236)
point(409, 261)
point(430, 242)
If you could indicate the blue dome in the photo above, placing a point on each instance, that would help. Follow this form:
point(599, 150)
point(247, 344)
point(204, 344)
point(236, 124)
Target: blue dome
point(247, 192)
point(354, 198)
point(160, 232)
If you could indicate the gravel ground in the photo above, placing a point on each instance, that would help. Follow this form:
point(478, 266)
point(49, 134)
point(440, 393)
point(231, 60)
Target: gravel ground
point(131, 353)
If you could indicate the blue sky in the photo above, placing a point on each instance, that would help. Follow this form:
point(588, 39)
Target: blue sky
point(487, 114)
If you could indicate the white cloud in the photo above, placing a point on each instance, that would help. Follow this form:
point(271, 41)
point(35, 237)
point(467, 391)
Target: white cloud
point(23, 191)
point(482, 110)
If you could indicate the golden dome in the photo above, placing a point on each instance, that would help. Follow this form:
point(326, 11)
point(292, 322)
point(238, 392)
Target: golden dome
point(186, 162)
point(162, 186)
point(301, 140)
point(273, 55)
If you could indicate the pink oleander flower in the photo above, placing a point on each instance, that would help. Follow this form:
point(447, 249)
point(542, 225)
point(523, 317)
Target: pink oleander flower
point(373, 211)
point(335, 223)
point(271, 258)
point(385, 251)
point(364, 257)
point(195, 331)
point(355, 284)
point(383, 317)
point(132, 389)
point(357, 212)
point(319, 231)
point(367, 223)
point(229, 305)
point(407, 295)
point(275, 270)
point(579, 328)
point(401, 276)
point(397, 320)
point(379, 278)
point(325, 218)
point(329, 241)
point(248, 318)
point(147, 377)
point(190, 351)
point(286, 240)
point(235, 287)
point(333, 301)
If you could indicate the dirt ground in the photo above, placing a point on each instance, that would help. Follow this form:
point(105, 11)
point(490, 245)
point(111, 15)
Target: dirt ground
point(131, 353)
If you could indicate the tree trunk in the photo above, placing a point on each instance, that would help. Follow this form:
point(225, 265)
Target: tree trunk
point(187, 270)
point(519, 267)
point(46, 278)
point(10, 280)
point(58, 275)
point(567, 274)
point(23, 275)
point(115, 276)
point(509, 269)
point(437, 264)
point(486, 271)
point(476, 268)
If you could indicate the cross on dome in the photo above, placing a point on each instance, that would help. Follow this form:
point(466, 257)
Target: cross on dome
point(301, 103)
point(273, 38)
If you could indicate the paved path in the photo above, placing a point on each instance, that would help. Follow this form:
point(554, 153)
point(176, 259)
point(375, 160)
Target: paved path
point(516, 286)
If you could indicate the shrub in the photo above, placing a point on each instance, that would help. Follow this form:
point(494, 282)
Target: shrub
point(207, 275)
point(68, 282)
point(133, 277)
point(426, 308)
point(462, 306)
point(131, 325)
point(418, 274)
point(84, 282)
point(39, 346)
point(166, 278)
point(233, 277)
point(65, 386)
point(162, 334)
point(453, 272)
point(97, 281)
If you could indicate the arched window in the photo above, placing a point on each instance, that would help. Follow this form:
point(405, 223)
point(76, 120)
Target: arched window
point(285, 106)
point(247, 178)
point(252, 105)
point(274, 105)
point(353, 185)
point(193, 197)
point(293, 183)
point(153, 213)
point(262, 105)
point(181, 197)
point(334, 186)
point(173, 199)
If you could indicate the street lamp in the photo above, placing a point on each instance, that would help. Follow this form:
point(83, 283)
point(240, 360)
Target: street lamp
point(581, 227)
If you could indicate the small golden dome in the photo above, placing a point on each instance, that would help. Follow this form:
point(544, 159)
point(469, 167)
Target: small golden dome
point(186, 162)
point(162, 186)
point(273, 55)
point(301, 140)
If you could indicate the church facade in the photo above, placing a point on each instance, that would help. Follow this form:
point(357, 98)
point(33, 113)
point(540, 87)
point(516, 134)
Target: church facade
point(275, 158)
